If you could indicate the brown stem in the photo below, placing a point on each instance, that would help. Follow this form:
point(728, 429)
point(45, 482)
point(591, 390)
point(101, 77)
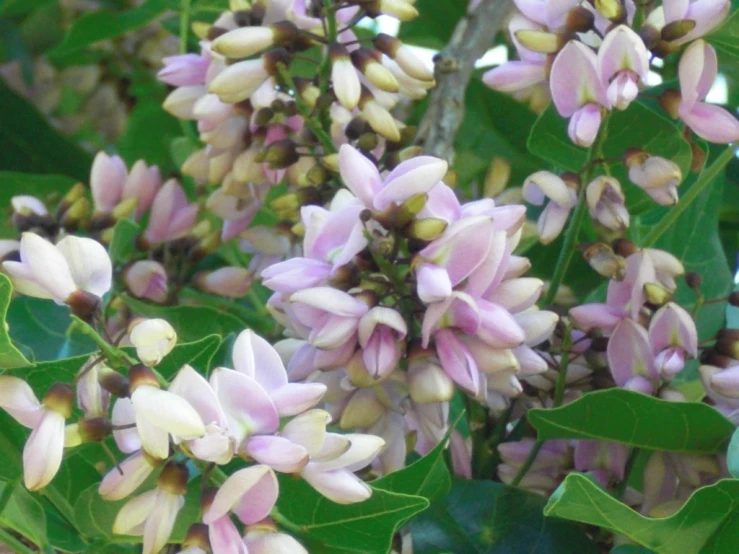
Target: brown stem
point(472, 37)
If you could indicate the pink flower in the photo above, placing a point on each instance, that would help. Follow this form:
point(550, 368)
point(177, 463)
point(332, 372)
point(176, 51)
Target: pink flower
point(415, 176)
point(578, 92)
point(147, 279)
point(562, 199)
point(42, 454)
point(184, 70)
point(623, 60)
point(171, 216)
point(673, 336)
point(630, 358)
point(57, 272)
point(107, 177)
point(697, 71)
point(142, 184)
point(605, 460)
point(547, 12)
point(381, 334)
point(153, 513)
point(707, 15)
point(606, 203)
point(127, 476)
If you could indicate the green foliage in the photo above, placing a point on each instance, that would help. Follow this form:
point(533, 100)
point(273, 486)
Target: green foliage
point(637, 420)
point(22, 513)
point(366, 527)
point(726, 37)
point(10, 356)
point(29, 144)
point(492, 518)
point(97, 26)
point(435, 28)
point(123, 244)
point(708, 522)
point(732, 455)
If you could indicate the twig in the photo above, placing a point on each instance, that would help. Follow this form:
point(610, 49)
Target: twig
point(472, 37)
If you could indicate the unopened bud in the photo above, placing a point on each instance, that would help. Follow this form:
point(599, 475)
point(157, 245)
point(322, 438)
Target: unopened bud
point(497, 177)
point(140, 375)
point(83, 304)
point(331, 162)
point(612, 10)
point(426, 229)
point(60, 398)
point(356, 128)
point(367, 142)
point(677, 29)
point(115, 383)
point(542, 42)
point(670, 100)
point(656, 294)
point(263, 116)
point(153, 339)
point(727, 347)
point(579, 20)
point(694, 280)
point(232, 282)
point(605, 261)
point(125, 208)
point(650, 35)
point(281, 154)
point(173, 478)
point(77, 214)
point(362, 410)
point(367, 60)
point(358, 374)
point(197, 537)
point(624, 247)
point(94, 429)
point(427, 381)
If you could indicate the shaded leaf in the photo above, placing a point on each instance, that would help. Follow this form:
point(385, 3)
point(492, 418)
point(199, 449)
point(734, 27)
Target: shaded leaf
point(636, 419)
point(101, 25)
point(10, 356)
point(435, 28)
point(707, 523)
point(726, 37)
point(22, 513)
point(367, 527)
point(123, 243)
point(29, 143)
point(491, 518)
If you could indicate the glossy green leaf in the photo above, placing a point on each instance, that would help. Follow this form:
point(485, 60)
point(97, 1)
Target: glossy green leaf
point(707, 523)
point(427, 477)
point(95, 26)
point(10, 356)
point(732, 455)
point(491, 518)
point(637, 420)
point(22, 513)
point(29, 143)
point(32, 318)
point(197, 354)
point(630, 549)
point(190, 322)
point(123, 243)
point(367, 527)
point(435, 28)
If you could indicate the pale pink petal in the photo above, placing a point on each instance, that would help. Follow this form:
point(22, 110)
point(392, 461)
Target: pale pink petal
point(42, 454)
point(279, 453)
point(359, 174)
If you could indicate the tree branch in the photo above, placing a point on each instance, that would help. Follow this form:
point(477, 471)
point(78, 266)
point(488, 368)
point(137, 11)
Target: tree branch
point(472, 37)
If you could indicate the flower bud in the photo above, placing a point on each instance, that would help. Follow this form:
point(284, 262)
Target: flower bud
point(153, 339)
point(281, 154)
point(670, 100)
point(656, 294)
point(427, 381)
point(579, 20)
point(362, 410)
point(114, 382)
point(542, 42)
point(344, 78)
point(247, 41)
point(403, 56)
point(677, 29)
point(232, 282)
point(606, 203)
point(605, 261)
point(497, 177)
point(173, 478)
point(368, 61)
point(147, 279)
point(426, 229)
point(378, 117)
point(612, 10)
point(83, 304)
point(60, 398)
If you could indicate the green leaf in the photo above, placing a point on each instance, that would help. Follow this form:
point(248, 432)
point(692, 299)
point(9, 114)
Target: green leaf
point(197, 354)
point(630, 549)
point(28, 143)
point(367, 527)
point(636, 419)
point(435, 26)
point(42, 326)
point(101, 25)
point(732, 455)
point(10, 356)
point(190, 322)
point(491, 518)
point(22, 513)
point(139, 142)
point(708, 522)
point(726, 37)
point(123, 244)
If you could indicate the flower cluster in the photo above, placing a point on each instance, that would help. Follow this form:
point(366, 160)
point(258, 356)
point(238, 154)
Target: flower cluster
point(401, 293)
point(249, 412)
point(257, 120)
point(591, 60)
